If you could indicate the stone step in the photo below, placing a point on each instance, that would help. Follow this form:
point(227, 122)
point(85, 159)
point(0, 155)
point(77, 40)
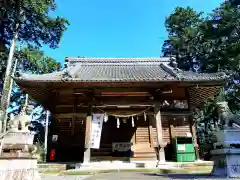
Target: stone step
point(143, 159)
point(146, 149)
point(101, 153)
point(52, 166)
point(109, 158)
point(144, 154)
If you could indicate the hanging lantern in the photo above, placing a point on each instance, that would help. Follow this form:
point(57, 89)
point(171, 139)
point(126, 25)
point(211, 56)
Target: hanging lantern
point(105, 117)
point(145, 116)
point(133, 122)
point(118, 122)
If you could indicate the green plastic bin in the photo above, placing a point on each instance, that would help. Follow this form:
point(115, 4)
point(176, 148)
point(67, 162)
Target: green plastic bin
point(184, 149)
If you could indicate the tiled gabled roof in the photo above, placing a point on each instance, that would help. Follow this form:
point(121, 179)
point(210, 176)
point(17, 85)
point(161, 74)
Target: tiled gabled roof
point(121, 70)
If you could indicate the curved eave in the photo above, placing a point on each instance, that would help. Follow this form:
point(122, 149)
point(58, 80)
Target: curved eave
point(55, 83)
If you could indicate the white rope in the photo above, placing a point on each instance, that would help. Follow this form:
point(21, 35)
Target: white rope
point(125, 116)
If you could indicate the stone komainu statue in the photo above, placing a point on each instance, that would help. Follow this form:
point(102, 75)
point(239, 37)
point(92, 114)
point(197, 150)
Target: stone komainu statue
point(226, 117)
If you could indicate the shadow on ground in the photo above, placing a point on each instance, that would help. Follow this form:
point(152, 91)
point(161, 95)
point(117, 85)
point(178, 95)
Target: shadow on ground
point(185, 176)
point(149, 176)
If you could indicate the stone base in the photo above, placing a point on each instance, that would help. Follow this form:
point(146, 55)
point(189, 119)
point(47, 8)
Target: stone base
point(226, 162)
point(18, 168)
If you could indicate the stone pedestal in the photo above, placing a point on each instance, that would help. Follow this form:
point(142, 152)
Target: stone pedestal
point(18, 168)
point(227, 136)
point(226, 162)
point(18, 159)
point(226, 153)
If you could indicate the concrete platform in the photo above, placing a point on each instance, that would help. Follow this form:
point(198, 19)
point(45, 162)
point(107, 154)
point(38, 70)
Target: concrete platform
point(114, 165)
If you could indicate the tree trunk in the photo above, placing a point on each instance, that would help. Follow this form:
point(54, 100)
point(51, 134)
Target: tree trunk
point(7, 80)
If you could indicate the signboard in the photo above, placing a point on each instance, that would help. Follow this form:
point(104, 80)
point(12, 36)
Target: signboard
point(97, 123)
point(181, 147)
point(54, 138)
point(121, 146)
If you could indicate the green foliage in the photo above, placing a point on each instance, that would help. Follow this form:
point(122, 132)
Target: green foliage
point(37, 26)
point(213, 42)
point(40, 152)
point(34, 60)
point(182, 27)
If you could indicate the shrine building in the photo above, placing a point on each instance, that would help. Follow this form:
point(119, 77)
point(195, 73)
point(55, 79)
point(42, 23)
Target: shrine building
point(145, 102)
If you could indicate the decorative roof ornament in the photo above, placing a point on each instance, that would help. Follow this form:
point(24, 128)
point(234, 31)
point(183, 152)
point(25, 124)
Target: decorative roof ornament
point(65, 75)
point(173, 62)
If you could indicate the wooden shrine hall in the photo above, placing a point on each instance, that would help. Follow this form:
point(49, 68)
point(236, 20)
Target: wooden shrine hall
point(146, 103)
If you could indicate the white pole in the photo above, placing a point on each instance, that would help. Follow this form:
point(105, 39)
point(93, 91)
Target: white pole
point(9, 95)
point(46, 136)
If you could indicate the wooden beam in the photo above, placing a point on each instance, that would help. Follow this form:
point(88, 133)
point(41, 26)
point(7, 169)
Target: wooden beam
point(87, 151)
point(83, 114)
point(69, 115)
point(157, 115)
point(109, 104)
point(122, 94)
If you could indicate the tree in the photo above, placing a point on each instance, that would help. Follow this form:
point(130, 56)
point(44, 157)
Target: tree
point(210, 44)
point(36, 28)
point(33, 60)
point(27, 21)
point(182, 27)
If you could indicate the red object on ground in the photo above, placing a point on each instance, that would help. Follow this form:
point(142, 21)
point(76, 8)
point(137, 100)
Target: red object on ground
point(52, 154)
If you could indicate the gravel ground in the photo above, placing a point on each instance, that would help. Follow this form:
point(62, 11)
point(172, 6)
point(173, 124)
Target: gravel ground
point(128, 176)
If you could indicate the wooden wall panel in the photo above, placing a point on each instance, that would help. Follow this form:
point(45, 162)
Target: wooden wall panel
point(181, 125)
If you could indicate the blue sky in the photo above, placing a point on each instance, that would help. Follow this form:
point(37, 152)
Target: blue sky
point(117, 28)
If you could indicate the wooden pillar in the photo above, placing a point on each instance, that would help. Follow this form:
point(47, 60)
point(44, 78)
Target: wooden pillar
point(87, 148)
point(192, 126)
point(194, 134)
point(151, 132)
point(157, 116)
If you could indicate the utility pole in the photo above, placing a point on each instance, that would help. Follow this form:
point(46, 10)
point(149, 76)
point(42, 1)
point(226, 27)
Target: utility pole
point(7, 80)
